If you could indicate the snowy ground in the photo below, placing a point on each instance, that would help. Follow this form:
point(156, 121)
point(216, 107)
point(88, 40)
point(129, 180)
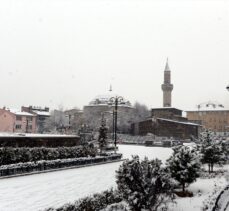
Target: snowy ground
point(36, 192)
point(203, 192)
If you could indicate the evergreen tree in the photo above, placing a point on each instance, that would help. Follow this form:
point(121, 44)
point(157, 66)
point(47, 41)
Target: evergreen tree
point(144, 184)
point(102, 135)
point(213, 151)
point(184, 165)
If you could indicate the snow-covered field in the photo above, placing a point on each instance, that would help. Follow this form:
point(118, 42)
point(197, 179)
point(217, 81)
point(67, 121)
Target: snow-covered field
point(36, 192)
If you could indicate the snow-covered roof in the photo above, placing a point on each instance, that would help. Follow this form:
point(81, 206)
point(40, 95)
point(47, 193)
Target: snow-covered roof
point(208, 109)
point(180, 122)
point(166, 108)
point(42, 113)
point(209, 106)
point(18, 112)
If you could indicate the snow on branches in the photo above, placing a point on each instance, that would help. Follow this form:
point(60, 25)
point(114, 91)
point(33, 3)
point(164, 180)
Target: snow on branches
point(184, 165)
point(144, 184)
point(212, 151)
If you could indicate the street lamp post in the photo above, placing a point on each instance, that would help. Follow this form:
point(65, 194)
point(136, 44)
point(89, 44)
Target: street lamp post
point(115, 100)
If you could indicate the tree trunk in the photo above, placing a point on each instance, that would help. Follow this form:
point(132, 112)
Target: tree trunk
point(183, 187)
point(209, 168)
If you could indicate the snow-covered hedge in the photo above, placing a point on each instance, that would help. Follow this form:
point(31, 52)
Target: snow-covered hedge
point(21, 168)
point(95, 202)
point(10, 155)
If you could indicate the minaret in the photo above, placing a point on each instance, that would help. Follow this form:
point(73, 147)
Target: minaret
point(167, 87)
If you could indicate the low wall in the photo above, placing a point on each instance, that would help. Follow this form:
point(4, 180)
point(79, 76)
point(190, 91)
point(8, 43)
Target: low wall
point(40, 166)
point(39, 141)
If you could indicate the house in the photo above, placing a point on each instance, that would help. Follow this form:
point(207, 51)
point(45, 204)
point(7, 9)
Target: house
point(12, 120)
point(42, 114)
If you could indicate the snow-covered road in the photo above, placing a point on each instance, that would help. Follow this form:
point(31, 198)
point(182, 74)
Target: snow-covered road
point(36, 192)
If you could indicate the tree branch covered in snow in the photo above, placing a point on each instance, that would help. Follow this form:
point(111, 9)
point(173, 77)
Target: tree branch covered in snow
point(95, 202)
point(212, 151)
point(184, 165)
point(144, 184)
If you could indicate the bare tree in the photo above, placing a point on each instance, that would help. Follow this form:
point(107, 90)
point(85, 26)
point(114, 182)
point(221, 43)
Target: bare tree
point(56, 120)
point(141, 112)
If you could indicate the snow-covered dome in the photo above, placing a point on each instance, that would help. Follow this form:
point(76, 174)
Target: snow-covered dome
point(106, 100)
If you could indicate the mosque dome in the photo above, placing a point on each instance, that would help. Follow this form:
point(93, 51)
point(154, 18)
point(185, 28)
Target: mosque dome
point(106, 100)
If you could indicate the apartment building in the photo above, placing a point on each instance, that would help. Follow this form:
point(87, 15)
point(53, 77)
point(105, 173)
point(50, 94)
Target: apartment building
point(16, 121)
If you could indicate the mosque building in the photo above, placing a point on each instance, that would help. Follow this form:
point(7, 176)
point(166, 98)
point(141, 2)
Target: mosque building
point(167, 121)
point(102, 105)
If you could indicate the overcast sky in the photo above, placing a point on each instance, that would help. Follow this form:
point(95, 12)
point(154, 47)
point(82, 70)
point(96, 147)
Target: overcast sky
point(66, 52)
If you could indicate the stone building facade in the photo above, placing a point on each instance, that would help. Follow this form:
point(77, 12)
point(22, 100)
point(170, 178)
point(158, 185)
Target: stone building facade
point(167, 122)
point(212, 116)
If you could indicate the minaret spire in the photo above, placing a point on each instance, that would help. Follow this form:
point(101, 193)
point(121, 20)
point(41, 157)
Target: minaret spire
point(110, 88)
point(167, 87)
point(167, 65)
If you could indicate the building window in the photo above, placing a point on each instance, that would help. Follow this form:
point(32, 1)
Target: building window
point(18, 126)
point(29, 118)
point(18, 118)
point(30, 127)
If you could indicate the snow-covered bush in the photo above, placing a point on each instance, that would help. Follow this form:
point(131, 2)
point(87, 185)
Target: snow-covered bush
point(144, 184)
point(212, 151)
point(184, 165)
point(95, 202)
point(121, 206)
point(10, 155)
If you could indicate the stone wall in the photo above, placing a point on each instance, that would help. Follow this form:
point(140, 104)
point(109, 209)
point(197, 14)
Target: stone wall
point(168, 128)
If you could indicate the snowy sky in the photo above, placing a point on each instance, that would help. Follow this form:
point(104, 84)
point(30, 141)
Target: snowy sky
point(68, 51)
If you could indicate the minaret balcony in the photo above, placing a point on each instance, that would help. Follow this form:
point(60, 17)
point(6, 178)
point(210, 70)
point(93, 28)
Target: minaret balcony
point(167, 87)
